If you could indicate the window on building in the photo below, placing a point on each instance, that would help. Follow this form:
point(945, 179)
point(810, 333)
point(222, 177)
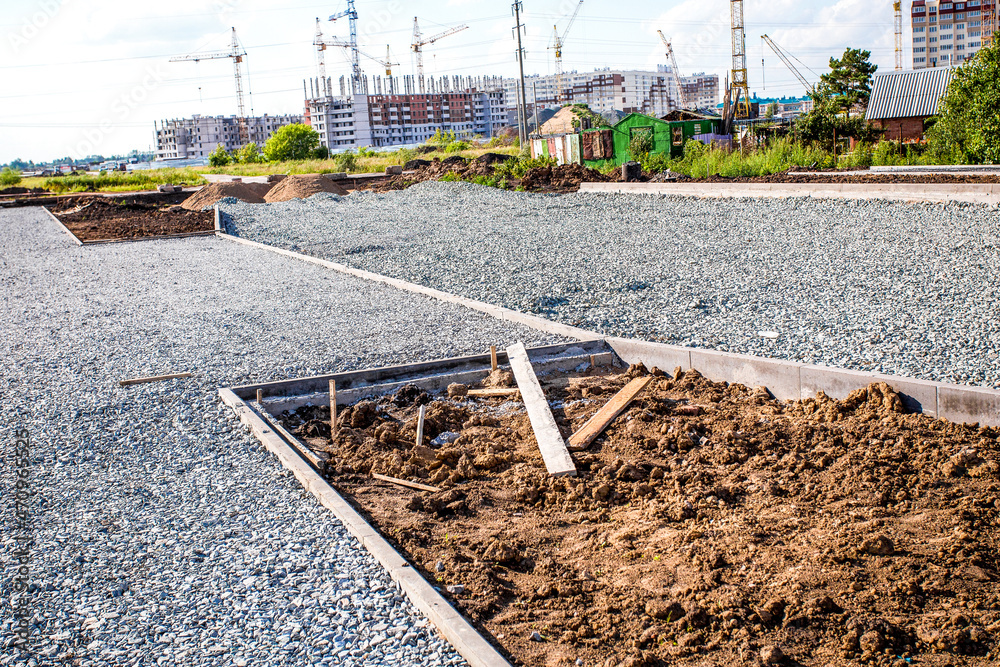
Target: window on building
point(932, 29)
point(678, 136)
point(919, 19)
point(918, 30)
point(919, 60)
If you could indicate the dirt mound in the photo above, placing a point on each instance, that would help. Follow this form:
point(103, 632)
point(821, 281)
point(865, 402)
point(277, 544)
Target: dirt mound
point(16, 190)
point(301, 186)
point(252, 193)
point(99, 218)
point(416, 164)
point(709, 525)
point(493, 158)
point(565, 177)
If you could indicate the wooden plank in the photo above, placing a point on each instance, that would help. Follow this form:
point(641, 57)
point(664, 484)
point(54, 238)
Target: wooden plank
point(494, 392)
point(420, 425)
point(607, 414)
point(550, 442)
point(405, 482)
point(155, 378)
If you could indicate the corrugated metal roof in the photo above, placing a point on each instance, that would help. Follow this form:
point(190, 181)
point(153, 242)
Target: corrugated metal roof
point(908, 94)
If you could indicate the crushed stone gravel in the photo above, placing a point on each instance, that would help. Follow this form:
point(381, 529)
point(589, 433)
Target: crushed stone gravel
point(900, 289)
point(164, 534)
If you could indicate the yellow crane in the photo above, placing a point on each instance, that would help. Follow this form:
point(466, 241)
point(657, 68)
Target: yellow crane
point(739, 86)
point(989, 23)
point(557, 45)
point(681, 97)
point(897, 24)
point(237, 53)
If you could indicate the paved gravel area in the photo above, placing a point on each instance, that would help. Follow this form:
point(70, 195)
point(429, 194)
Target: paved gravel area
point(904, 289)
point(164, 533)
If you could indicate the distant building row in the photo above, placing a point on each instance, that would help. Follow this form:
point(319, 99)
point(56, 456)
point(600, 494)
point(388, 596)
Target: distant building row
point(947, 33)
point(198, 136)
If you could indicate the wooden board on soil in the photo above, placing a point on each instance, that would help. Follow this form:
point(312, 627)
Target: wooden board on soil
point(103, 219)
point(709, 525)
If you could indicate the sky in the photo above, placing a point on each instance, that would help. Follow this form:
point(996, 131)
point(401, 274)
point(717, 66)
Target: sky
point(84, 77)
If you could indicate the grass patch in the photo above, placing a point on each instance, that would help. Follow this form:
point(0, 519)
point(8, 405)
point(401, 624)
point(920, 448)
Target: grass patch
point(116, 181)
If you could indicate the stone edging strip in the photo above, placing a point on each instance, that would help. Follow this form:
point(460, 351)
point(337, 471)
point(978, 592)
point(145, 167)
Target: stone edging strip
point(458, 631)
point(975, 193)
point(62, 226)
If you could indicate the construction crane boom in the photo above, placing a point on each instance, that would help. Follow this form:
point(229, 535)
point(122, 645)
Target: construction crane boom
point(989, 23)
point(419, 42)
point(352, 16)
point(739, 82)
point(237, 53)
point(681, 97)
point(558, 41)
point(386, 63)
point(788, 63)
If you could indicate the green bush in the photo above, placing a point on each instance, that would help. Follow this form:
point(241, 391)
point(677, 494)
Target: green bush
point(249, 154)
point(457, 147)
point(516, 169)
point(700, 160)
point(641, 144)
point(9, 177)
point(450, 177)
point(321, 153)
point(441, 138)
point(119, 180)
point(219, 157)
point(346, 162)
point(291, 142)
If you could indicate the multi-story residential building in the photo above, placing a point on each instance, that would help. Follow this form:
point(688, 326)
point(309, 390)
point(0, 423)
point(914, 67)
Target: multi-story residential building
point(392, 112)
point(196, 137)
point(947, 33)
point(642, 91)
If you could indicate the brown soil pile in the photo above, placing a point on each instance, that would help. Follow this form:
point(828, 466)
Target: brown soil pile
point(302, 186)
point(710, 525)
point(251, 193)
point(564, 178)
point(99, 218)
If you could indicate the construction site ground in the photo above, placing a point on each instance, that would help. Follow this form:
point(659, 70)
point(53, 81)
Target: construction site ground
point(709, 525)
point(93, 218)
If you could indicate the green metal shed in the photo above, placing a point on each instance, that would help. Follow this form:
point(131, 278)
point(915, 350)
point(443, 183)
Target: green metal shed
point(669, 137)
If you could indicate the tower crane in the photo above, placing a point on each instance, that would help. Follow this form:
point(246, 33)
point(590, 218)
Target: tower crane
point(419, 42)
point(788, 63)
point(681, 98)
point(989, 22)
point(387, 63)
point(557, 45)
point(897, 24)
point(739, 83)
point(352, 17)
point(237, 53)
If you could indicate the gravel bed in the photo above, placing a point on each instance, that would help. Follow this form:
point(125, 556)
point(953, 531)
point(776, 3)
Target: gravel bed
point(903, 289)
point(164, 533)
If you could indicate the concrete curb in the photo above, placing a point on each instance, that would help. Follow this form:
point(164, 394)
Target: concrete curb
point(61, 225)
point(975, 193)
point(505, 314)
point(790, 380)
point(458, 631)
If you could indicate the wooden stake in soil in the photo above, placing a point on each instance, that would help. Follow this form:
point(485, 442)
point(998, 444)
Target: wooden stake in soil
point(260, 396)
point(333, 410)
point(550, 441)
point(407, 483)
point(607, 414)
point(420, 425)
point(155, 378)
point(493, 357)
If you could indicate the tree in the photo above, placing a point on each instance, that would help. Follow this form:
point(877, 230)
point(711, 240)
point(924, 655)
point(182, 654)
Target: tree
point(291, 142)
point(849, 81)
point(219, 157)
point(321, 152)
point(967, 128)
point(772, 110)
point(249, 154)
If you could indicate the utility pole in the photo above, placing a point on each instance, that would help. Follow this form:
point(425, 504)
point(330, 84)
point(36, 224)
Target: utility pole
point(534, 107)
point(522, 111)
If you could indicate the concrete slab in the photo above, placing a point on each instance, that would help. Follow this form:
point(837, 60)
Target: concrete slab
point(969, 405)
point(976, 193)
point(780, 377)
point(834, 382)
point(665, 357)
